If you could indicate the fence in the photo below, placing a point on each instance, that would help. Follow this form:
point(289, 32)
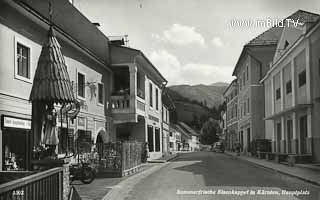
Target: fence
point(43, 185)
point(119, 158)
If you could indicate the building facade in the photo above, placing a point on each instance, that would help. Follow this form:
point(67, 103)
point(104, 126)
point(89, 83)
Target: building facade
point(136, 100)
point(252, 65)
point(231, 99)
point(292, 90)
point(22, 33)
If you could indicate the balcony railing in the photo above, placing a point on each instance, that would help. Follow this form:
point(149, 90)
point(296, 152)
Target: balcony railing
point(43, 185)
point(120, 102)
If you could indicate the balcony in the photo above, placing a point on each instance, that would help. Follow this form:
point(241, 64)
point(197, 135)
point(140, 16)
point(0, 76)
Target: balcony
point(128, 97)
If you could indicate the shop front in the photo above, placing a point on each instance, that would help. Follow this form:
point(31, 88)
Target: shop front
point(16, 143)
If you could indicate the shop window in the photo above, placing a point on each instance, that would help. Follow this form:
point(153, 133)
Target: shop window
point(81, 85)
point(15, 149)
point(23, 61)
point(157, 139)
point(278, 94)
point(302, 78)
point(288, 87)
point(150, 95)
point(100, 93)
point(150, 138)
point(157, 99)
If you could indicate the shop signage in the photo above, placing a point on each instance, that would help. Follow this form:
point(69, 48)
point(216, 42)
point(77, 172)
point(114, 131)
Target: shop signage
point(10, 122)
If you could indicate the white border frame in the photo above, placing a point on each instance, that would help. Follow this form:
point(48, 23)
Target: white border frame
point(27, 44)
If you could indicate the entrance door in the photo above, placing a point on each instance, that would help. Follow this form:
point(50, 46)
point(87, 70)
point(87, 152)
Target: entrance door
point(248, 139)
point(241, 140)
point(303, 134)
point(150, 138)
point(278, 136)
point(289, 135)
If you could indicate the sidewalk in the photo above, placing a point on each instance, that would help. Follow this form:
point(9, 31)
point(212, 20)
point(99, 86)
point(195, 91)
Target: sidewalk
point(101, 186)
point(164, 159)
point(308, 174)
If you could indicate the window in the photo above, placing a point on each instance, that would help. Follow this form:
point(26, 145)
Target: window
point(150, 95)
point(278, 94)
point(286, 44)
point(157, 99)
point(288, 87)
point(244, 108)
point(171, 144)
point(23, 61)
point(244, 78)
point(302, 78)
point(248, 104)
point(81, 85)
point(240, 84)
point(247, 72)
point(100, 93)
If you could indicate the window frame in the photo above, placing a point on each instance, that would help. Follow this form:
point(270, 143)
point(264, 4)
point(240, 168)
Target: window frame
point(157, 98)
point(278, 94)
point(84, 87)
point(24, 43)
point(150, 95)
point(305, 78)
point(103, 95)
point(288, 89)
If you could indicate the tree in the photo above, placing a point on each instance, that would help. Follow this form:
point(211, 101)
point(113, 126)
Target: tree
point(209, 132)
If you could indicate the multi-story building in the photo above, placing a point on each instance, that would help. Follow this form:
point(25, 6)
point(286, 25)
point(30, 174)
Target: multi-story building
point(167, 105)
point(231, 99)
point(24, 27)
point(136, 100)
point(292, 95)
point(250, 68)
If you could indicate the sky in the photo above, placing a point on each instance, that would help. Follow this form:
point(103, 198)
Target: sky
point(189, 41)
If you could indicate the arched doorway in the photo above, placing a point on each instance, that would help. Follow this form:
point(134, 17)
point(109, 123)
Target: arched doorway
point(102, 137)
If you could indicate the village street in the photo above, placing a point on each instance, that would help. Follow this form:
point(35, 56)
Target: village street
point(213, 171)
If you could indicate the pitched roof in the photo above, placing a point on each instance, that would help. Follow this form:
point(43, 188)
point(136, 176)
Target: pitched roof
point(188, 129)
point(71, 21)
point(182, 131)
point(273, 35)
point(51, 81)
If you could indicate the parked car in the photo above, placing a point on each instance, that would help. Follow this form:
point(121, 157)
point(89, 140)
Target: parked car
point(218, 147)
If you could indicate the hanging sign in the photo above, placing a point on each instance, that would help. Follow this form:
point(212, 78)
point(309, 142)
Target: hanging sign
point(11, 122)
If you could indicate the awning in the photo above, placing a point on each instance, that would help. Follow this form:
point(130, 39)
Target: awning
point(51, 82)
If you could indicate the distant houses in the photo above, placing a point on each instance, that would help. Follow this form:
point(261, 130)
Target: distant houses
point(275, 95)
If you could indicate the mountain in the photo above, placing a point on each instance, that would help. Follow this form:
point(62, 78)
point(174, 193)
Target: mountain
point(208, 95)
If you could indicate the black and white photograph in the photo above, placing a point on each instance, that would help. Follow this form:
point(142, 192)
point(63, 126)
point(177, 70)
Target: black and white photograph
point(159, 99)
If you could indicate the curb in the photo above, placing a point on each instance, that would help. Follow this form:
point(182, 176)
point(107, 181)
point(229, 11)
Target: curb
point(163, 161)
point(122, 189)
point(275, 170)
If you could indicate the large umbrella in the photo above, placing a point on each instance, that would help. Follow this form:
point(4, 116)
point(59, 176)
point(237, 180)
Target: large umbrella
point(51, 84)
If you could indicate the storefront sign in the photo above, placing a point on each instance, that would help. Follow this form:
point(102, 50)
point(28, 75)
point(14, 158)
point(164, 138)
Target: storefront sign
point(10, 122)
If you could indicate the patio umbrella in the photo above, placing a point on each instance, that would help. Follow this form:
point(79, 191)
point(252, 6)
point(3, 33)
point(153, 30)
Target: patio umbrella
point(51, 85)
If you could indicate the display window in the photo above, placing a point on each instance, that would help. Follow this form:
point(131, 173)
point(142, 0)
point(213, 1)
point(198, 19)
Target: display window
point(15, 143)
